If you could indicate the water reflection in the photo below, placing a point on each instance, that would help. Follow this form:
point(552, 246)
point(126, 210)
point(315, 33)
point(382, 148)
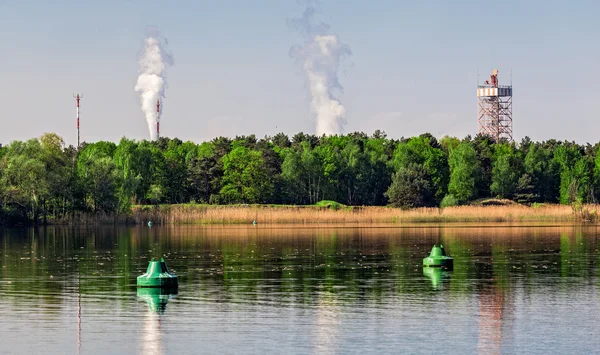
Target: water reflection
point(78, 315)
point(437, 276)
point(327, 324)
point(152, 335)
point(249, 262)
point(492, 308)
point(156, 298)
point(339, 284)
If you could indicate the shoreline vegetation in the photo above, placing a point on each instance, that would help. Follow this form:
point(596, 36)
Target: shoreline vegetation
point(340, 214)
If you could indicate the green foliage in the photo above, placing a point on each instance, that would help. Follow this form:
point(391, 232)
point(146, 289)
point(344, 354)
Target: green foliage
point(245, 177)
point(155, 194)
point(484, 155)
point(448, 143)
point(201, 172)
point(410, 188)
point(99, 177)
point(576, 174)
point(505, 171)
point(525, 190)
point(464, 170)
point(449, 201)
point(43, 181)
point(129, 171)
point(302, 173)
point(544, 171)
point(25, 178)
point(425, 151)
point(330, 204)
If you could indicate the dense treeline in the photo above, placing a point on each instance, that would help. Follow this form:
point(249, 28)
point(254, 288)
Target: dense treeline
point(42, 179)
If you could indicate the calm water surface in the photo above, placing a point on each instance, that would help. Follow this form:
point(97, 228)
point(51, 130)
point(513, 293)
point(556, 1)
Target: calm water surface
point(301, 290)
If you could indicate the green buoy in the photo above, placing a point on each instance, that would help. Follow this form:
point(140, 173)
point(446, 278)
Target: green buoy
point(149, 223)
point(438, 258)
point(157, 275)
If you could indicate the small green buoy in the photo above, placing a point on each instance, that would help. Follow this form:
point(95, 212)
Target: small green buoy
point(254, 222)
point(157, 275)
point(149, 223)
point(438, 258)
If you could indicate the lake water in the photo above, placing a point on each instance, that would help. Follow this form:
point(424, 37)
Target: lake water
point(301, 290)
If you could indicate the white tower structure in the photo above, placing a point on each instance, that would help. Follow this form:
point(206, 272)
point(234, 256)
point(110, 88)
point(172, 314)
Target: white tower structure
point(495, 109)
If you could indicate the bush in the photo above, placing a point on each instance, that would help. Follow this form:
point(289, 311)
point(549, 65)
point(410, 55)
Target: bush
point(449, 201)
point(330, 204)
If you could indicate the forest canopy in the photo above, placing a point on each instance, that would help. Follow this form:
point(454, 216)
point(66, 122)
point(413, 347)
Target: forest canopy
point(42, 178)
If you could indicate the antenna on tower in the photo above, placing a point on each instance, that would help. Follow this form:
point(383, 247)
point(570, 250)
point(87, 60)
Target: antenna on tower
point(77, 97)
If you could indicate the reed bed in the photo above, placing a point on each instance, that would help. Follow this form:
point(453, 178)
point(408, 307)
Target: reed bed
point(207, 214)
point(81, 218)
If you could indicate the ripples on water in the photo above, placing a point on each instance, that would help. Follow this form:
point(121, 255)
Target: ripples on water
point(514, 289)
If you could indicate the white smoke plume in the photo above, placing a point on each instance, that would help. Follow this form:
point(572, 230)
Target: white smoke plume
point(320, 58)
point(152, 80)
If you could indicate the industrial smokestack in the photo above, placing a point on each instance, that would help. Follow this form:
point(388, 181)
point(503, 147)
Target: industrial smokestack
point(157, 119)
point(77, 97)
point(320, 58)
point(152, 81)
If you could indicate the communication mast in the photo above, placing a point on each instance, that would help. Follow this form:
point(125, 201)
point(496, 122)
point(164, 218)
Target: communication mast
point(77, 97)
point(495, 109)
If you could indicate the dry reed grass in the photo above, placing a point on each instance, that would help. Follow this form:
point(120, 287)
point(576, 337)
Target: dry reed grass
point(205, 214)
point(81, 218)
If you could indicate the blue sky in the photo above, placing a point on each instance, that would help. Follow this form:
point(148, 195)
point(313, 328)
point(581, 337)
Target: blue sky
point(413, 68)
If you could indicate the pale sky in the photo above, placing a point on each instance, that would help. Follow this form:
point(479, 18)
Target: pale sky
point(413, 68)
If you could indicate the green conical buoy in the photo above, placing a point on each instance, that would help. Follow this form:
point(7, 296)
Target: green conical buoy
point(438, 258)
point(157, 275)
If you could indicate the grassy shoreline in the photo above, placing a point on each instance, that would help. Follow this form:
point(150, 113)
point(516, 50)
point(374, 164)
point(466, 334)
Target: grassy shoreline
point(284, 214)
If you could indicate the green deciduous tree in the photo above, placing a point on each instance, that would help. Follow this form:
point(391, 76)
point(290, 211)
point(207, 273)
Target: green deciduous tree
point(576, 173)
point(425, 151)
point(506, 170)
point(411, 187)
point(484, 153)
point(130, 170)
point(464, 168)
point(99, 177)
point(245, 177)
point(302, 175)
point(202, 169)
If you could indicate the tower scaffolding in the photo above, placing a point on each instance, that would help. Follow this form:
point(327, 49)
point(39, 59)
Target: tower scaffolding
point(495, 109)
